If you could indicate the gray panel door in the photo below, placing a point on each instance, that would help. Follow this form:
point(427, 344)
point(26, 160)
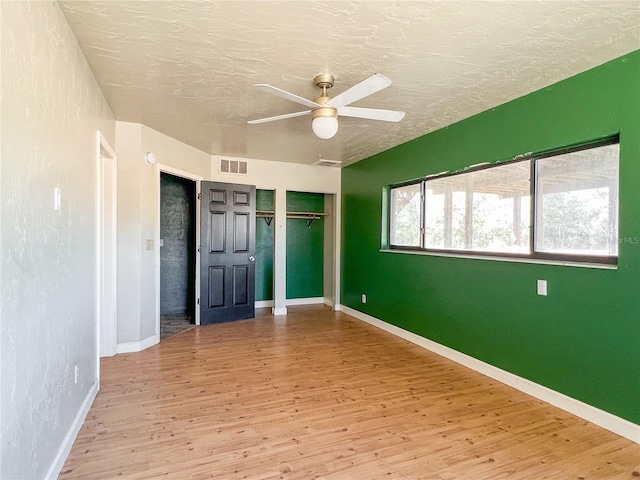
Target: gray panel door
point(227, 262)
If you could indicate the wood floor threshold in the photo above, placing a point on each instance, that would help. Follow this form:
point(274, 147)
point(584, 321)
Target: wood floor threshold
point(320, 395)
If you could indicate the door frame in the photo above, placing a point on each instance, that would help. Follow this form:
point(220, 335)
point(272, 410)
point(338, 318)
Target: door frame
point(106, 240)
point(197, 179)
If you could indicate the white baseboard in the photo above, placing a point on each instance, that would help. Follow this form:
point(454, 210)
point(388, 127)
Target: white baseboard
point(588, 412)
point(304, 301)
point(72, 433)
point(293, 301)
point(128, 347)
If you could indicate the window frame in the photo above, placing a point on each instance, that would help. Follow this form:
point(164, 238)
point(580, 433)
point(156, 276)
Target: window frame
point(533, 255)
point(390, 221)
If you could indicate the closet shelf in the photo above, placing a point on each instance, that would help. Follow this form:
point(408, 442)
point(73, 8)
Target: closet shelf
point(266, 214)
point(308, 216)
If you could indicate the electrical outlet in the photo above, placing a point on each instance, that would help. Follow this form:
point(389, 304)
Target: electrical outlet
point(364, 298)
point(542, 287)
point(76, 373)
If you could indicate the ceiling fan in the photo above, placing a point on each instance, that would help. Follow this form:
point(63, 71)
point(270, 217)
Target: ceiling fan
point(325, 110)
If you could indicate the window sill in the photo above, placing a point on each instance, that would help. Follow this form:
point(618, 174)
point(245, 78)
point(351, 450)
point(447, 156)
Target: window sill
point(601, 266)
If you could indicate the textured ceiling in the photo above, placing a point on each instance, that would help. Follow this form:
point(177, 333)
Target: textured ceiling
point(187, 68)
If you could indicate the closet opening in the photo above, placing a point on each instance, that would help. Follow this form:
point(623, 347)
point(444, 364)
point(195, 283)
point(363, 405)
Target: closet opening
point(305, 247)
point(264, 247)
point(310, 248)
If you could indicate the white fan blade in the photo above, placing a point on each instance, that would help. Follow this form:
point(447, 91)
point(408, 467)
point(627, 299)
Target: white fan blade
point(278, 117)
point(371, 85)
point(286, 95)
point(371, 113)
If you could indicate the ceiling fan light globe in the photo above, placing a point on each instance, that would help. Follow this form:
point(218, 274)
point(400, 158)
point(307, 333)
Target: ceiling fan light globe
point(324, 127)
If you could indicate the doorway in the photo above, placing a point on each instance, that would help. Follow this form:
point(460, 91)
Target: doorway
point(177, 254)
point(107, 240)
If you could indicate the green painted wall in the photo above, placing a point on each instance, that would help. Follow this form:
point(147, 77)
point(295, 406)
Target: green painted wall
point(264, 248)
point(583, 339)
point(305, 247)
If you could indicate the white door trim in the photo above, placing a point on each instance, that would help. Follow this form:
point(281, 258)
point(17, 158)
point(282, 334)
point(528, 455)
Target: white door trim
point(196, 178)
point(107, 192)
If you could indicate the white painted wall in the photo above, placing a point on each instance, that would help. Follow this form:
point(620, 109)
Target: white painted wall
point(172, 153)
point(129, 236)
point(51, 108)
point(270, 175)
point(138, 193)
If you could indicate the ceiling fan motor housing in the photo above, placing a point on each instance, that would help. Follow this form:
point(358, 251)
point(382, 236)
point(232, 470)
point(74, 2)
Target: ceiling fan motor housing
point(324, 81)
point(324, 111)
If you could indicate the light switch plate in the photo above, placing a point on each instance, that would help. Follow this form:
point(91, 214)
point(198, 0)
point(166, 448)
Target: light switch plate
point(57, 198)
point(542, 287)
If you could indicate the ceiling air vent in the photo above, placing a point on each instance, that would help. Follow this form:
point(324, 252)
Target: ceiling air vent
point(236, 167)
point(324, 162)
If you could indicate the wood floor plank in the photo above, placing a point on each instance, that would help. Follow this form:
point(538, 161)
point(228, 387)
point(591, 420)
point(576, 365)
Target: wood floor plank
point(318, 394)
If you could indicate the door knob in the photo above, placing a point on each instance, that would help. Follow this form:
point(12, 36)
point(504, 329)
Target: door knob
point(252, 258)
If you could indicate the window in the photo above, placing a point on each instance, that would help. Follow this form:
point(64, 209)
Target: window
point(480, 210)
point(489, 210)
point(405, 216)
point(577, 202)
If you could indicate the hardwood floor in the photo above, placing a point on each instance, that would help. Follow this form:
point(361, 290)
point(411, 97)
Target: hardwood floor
point(322, 395)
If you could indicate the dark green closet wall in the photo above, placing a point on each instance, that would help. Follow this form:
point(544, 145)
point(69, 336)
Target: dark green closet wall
point(264, 248)
point(583, 339)
point(305, 247)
